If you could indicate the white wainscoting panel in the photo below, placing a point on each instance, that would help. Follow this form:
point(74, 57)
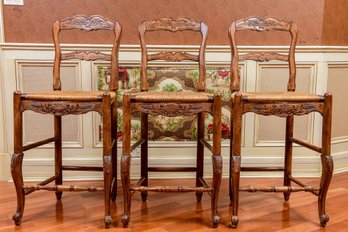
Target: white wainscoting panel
point(27, 67)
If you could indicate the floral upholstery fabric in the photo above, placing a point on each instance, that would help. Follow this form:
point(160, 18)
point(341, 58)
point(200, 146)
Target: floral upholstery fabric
point(163, 128)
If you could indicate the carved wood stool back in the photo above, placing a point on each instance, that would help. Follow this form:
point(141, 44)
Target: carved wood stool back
point(282, 104)
point(61, 103)
point(171, 104)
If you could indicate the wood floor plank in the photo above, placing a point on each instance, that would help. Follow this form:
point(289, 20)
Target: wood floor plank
point(178, 212)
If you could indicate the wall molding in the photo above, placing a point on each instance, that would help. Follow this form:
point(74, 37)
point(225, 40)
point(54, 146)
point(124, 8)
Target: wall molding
point(135, 47)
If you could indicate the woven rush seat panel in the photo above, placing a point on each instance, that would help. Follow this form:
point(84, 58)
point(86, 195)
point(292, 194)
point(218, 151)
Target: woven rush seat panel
point(67, 95)
point(279, 96)
point(172, 97)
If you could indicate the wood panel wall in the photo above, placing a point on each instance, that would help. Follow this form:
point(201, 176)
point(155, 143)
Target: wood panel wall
point(321, 22)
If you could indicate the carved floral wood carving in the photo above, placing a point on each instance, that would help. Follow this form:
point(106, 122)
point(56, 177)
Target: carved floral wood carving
point(86, 55)
point(263, 56)
point(173, 109)
point(281, 110)
point(59, 109)
point(329, 163)
point(173, 25)
point(90, 23)
point(173, 56)
point(260, 24)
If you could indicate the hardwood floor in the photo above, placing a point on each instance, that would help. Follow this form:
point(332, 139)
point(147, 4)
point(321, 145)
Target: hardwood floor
point(178, 212)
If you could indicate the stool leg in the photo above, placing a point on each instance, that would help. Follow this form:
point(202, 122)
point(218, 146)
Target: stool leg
point(17, 158)
point(236, 154)
point(16, 170)
point(107, 164)
point(58, 154)
point(200, 154)
point(216, 159)
point(144, 153)
point(230, 184)
point(326, 159)
point(114, 150)
point(126, 159)
point(107, 159)
point(288, 154)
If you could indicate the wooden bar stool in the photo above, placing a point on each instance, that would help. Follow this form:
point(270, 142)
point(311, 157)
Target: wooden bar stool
point(282, 104)
point(172, 104)
point(60, 103)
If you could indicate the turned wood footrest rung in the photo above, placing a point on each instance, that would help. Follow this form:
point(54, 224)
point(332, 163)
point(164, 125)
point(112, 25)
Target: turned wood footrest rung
point(170, 189)
point(172, 169)
point(263, 169)
point(279, 189)
point(42, 183)
point(81, 168)
point(63, 188)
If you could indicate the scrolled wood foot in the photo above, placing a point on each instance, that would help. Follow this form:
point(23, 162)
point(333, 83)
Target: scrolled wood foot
point(324, 219)
point(215, 220)
point(107, 221)
point(17, 218)
point(59, 196)
point(144, 196)
point(125, 220)
point(199, 196)
point(234, 221)
point(16, 171)
point(327, 170)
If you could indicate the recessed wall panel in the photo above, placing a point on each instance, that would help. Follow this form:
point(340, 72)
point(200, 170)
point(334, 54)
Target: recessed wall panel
point(337, 85)
point(39, 77)
point(274, 77)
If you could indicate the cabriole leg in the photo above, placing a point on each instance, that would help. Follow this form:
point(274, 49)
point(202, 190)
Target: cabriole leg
point(107, 159)
point(17, 158)
point(114, 150)
point(16, 171)
point(126, 159)
point(326, 159)
point(236, 155)
point(216, 159)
